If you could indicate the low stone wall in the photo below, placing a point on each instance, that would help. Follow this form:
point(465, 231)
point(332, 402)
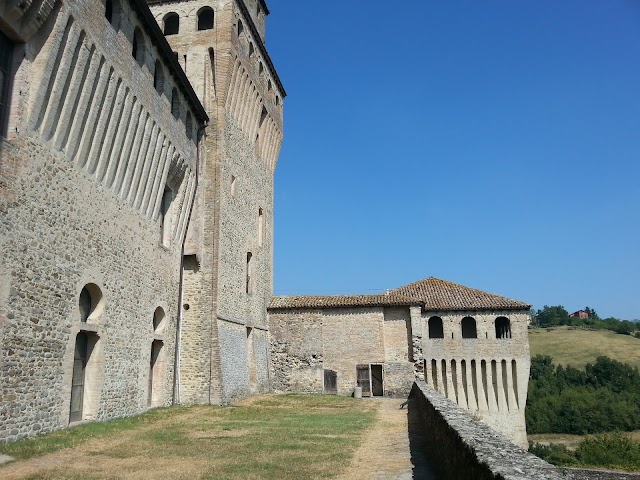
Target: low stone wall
point(460, 447)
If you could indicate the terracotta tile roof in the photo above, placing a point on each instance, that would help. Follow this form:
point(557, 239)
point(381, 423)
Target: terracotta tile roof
point(437, 294)
point(341, 301)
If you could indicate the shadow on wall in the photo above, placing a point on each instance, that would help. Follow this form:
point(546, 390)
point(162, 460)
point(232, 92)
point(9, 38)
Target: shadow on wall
point(418, 437)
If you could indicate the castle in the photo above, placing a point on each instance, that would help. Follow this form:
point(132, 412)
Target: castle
point(138, 142)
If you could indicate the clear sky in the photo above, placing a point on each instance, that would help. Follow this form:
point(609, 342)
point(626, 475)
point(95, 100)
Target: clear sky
point(492, 143)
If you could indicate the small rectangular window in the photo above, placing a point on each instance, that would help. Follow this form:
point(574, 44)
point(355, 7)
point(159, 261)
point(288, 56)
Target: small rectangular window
point(260, 227)
point(6, 49)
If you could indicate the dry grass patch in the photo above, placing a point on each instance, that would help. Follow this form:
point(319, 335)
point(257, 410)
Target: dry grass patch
point(577, 347)
point(269, 437)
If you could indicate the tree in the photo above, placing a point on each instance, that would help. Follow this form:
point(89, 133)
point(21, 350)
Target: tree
point(551, 316)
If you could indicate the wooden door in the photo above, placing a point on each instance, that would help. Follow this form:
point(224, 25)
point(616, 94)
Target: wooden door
point(364, 379)
point(330, 382)
point(78, 378)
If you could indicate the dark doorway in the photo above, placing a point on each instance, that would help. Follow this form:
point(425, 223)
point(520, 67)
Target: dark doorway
point(377, 388)
point(330, 382)
point(363, 379)
point(156, 347)
point(80, 358)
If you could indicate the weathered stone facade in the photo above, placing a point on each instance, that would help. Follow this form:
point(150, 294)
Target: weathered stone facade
point(90, 151)
point(230, 236)
point(471, 346)
point(101, 145)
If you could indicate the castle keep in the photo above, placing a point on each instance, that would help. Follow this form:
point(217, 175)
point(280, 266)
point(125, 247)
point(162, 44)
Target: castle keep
point(138, 143)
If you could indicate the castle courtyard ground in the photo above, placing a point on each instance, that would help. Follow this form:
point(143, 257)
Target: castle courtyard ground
point(265, 437)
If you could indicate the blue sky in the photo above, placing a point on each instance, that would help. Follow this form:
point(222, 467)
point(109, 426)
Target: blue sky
point(492, 143)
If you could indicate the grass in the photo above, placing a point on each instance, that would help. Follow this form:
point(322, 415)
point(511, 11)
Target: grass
point(577, 347)
point(568, 440)
point(269, 437)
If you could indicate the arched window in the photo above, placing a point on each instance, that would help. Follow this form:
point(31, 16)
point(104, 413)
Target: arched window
point(175, 103)
point(90, 302)
point(188, 125)
point(436, 329)
point(171, 23)
point(469, 328)
point(240, 27)
point(205, 18)
point(137, 49)
point(252, 50)
point(503, 327)
point(277, 100)
point(260, 68)
point(158, 77)
point(158, 320)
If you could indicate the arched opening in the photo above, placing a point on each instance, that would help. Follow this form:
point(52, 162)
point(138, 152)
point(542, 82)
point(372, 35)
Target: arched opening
point(260, 68)
point(436, 330)
point(137, 47)
point(90, 303)
point(469, 328)
point(175, 103)
point(158, 320)
point(269, 86)
point(158, 77)
point(252, 50)
point(171, 23)
point(205, 18)
point(240, 27)
point(503, 328)
point(277, 100)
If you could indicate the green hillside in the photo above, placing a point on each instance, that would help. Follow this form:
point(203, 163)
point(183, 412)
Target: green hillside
point(577, 347)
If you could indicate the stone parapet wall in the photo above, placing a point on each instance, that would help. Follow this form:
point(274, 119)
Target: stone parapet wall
point(462, 448)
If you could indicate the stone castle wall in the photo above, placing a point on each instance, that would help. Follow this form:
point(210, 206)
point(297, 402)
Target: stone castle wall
point(233, 219)
point(486, 375)
point(92, 146)
point(305, 342)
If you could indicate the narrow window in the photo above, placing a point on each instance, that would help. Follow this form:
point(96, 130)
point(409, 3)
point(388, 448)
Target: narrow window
point(260, 68)
point(90, 302)
point(158, 320)
point(165, 216)
point(249, 273)
point(175, 103)
point(503, 328)
point(188, 125)
point(269, 86)
point(6, 48)
point(137, 49)
point(233, 186)
point(212, 62)
point(251, 49)
point(205, 18)
point(469, 328)
point(240, 27)
point(171, 23)
point(158, 77)
point(260, 227)
point(277, 100)
point(108, 10)
point(435, 328)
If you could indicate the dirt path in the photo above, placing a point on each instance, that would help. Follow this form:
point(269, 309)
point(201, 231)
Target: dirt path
point(386, 451)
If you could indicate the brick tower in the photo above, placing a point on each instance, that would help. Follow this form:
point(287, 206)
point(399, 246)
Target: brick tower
point(228, 258)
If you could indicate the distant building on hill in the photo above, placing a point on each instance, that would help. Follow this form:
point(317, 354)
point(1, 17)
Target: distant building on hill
point(579, 314)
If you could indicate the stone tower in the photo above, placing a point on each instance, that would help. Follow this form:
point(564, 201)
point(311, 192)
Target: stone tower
point(228, 257)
